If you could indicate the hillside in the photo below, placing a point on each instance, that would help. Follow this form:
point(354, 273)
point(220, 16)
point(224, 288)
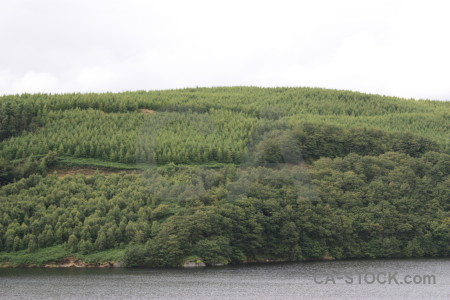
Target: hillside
point(224, 175)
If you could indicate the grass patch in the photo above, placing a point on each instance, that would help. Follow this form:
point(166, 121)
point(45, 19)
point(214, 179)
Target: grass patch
point(39, 257)
point(55, 253)
point(110, 255)
point(77, 161)
point(67, 161)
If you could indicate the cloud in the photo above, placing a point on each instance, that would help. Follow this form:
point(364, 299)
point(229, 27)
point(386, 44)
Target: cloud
point(91, 78)
point(388, 47)
point(30, 82)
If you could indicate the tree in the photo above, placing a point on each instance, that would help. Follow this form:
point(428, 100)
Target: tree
point(32, 244)
point(135, 255)
point(6, 171)
point(72, 243)
point(101, 243)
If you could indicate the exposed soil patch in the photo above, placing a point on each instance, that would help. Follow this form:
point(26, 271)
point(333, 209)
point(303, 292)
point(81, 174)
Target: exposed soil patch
point(89, 171)
point(147, 111)
point(71, 262)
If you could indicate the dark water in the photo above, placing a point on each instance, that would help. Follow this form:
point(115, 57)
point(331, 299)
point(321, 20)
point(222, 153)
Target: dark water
point(308, 280)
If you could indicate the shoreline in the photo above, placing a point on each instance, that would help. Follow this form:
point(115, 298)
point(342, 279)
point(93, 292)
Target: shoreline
point(72, 263)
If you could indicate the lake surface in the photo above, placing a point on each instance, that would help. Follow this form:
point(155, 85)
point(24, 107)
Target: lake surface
point(355, 279)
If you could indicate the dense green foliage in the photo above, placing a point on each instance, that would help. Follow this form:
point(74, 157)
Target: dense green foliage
point(130, 137)
point(356, 206)
point(32, 165)
point(198, 125)
point(232, 175)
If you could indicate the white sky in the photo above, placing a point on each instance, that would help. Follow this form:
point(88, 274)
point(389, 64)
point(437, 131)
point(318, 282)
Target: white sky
point(394, 47)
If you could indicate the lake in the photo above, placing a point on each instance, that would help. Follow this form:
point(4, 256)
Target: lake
point(351, 279)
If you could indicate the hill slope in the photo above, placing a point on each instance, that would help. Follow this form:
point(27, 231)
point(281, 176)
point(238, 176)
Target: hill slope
point(231, 175)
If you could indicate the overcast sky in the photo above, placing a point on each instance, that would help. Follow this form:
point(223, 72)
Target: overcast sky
point(399, 48)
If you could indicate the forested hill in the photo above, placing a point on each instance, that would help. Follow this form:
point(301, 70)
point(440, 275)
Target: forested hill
point(226, 175)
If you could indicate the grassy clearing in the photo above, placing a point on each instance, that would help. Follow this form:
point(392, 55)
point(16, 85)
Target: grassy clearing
point(75, 162)
point(67, 161)
point(55, 253)
point(39, 257)
point(111, 255)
